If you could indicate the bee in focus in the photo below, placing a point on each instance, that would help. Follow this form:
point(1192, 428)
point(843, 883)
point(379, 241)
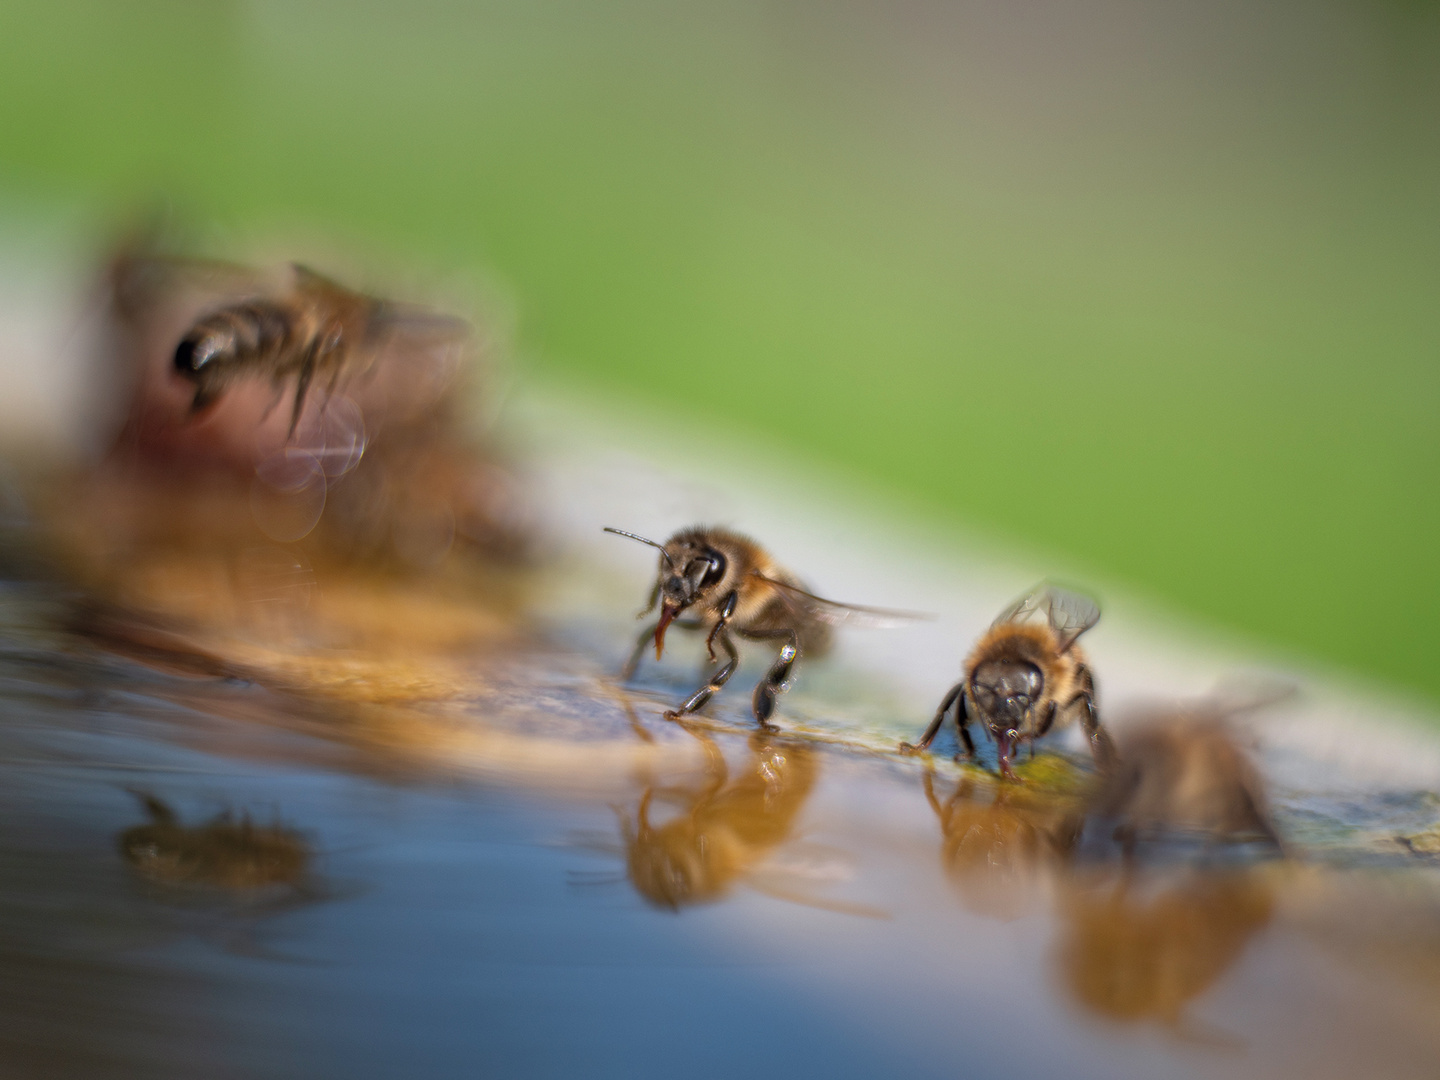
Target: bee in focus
point(728, 583)
point(1025, 676)
point(316, 329)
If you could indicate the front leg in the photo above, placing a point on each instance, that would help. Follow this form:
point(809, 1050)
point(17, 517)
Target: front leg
point(1100, 744)
point(955, 697)
point(727, 608)
point(646, 637)
point(650, 604)
point(698, 699)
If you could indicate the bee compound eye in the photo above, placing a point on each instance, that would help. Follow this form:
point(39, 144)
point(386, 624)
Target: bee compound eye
point(185, 356)
point(714, 569)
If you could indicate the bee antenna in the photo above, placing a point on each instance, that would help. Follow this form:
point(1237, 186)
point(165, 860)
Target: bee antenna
point(652, 543)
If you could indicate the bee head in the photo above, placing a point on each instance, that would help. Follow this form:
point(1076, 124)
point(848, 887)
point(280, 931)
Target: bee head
point(690, 570)
point(1004, 692)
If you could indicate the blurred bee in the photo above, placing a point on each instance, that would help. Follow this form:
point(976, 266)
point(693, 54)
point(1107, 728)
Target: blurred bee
point(317, 329)
point(1025, 676)
point(1181, 772)
point(729, 583)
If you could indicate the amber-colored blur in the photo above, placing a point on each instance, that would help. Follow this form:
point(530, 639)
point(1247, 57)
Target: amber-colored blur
point(1135, 949)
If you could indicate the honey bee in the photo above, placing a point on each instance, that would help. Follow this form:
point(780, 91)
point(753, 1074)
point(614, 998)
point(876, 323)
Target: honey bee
point(317, 329)
point(1181, 772)
point(728, 583)
point(1026, 675)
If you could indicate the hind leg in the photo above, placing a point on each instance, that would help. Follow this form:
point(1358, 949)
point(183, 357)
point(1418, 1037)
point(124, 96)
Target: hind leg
point(773, 685)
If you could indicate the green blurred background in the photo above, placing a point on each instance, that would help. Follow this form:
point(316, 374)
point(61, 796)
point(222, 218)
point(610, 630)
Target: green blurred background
point(1152, 284)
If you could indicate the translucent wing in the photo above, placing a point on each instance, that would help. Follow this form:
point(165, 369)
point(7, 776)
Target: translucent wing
point(1069, 614)
point(834, 613)
point(389, 317)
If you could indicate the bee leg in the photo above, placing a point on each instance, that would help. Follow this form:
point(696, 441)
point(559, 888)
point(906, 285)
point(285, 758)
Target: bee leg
point(727, 608)
point(1100, 744)
point(279, 393)
point(770, 687)
point(646, 637)
point(698, 699)
point(654, 599)
point(964, 725)
point(302, 387)
point(956, 694)
point(1046, 722)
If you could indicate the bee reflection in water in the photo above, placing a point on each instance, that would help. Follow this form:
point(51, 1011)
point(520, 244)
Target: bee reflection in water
point(221, 854)
point(1003, 846)
point(1139, 948)
point(727, 829)
point(1148, 934)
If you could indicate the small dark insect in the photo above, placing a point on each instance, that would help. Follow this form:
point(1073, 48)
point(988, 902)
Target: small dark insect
point(1180, 772)
point(318, 329)
point(728, 582)
point(224, 853)
point(1025, 676)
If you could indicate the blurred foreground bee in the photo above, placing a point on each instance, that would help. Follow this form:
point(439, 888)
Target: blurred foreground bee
point(1025, 675)
point(728, 582)
point(317, 329)
point(1182, 773)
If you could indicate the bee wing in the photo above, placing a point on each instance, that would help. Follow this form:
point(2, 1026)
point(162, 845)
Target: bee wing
point(306, 278)
point(834, 613)
point(1069, 614)
point(413, 322)
point(416, 323)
